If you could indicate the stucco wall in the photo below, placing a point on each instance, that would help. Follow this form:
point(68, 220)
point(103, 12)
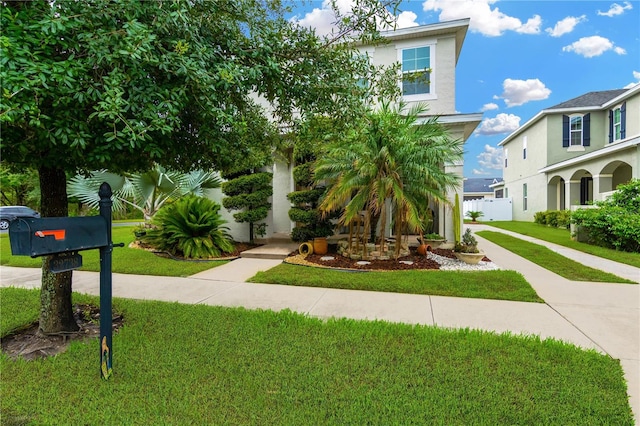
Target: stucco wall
point(443, 76)
point(599, 137)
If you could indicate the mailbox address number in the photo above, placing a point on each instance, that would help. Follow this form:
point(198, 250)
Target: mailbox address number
point(65, 262)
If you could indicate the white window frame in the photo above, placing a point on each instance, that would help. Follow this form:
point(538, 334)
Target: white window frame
point(571, 131)
point(617, 126)
point(431, 44)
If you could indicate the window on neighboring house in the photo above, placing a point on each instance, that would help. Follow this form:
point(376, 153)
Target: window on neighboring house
point(524, 148)
point(618, 123)
point(416, 71)
point(524, 196)
point(505, 157)
point(576, 130)
point(506, 193)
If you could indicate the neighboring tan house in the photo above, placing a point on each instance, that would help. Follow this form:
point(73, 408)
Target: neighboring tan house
point(573, 153)
point(435, 47)
point(479, 188)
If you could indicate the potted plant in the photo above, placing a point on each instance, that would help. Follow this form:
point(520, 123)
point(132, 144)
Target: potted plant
point(432, 239)
point(473, 215)
point(467, 249)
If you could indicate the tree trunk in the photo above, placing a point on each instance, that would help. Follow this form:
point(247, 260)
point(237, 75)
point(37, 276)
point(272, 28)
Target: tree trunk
point(56, 312)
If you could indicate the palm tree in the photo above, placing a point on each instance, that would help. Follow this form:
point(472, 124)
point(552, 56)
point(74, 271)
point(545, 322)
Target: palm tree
point(391, 157)
point(147, 192)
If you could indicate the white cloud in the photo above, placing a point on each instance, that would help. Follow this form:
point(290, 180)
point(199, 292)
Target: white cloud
point(489, 107)
point(616, 9)
point(484, 19)
point(566, 25)
point(480, 172)
point(592, 46)
point(636, 75)
point(407, 19)
point(490, 158)
point(519, 92)
point(619, 50)
point(323, 18)
point(502, 123)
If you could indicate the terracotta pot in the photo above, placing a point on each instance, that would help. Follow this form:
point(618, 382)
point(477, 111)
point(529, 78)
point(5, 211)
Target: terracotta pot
point(306, 248)
point(423, 249)
point(320, 245)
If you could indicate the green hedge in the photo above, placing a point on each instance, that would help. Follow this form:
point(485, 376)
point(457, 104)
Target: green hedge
point(554, 218)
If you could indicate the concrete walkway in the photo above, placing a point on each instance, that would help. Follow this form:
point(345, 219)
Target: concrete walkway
point(600, 316)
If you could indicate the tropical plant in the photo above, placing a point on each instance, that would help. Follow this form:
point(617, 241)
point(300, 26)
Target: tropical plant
point(389, 157)
point(616, 221)
point(191, 227)
point(249, 193)
point(146, 192)
point(457, 221)
point(474, 215)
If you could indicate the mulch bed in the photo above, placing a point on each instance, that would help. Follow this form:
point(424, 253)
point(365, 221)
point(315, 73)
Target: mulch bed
point(341, 262)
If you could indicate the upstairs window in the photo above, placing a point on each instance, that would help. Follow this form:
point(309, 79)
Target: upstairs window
point(506, 152)
point(618, 123)
point(576, 130)
point(416, 71)
point(524, 148)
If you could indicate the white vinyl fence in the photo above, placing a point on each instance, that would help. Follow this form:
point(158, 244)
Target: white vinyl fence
point(492, 209)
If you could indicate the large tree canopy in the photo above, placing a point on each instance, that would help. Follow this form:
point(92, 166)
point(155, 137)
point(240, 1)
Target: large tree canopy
point(123, 84)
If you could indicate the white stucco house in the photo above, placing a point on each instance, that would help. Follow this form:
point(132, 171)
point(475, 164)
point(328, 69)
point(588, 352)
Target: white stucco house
point(436, 47)
point(573, 153)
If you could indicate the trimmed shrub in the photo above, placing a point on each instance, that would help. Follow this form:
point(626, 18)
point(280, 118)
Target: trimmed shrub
point(249, 193)
point(554, 218)
point(616, 223)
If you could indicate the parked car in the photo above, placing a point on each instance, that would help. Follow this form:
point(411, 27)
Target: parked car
point(8, 213)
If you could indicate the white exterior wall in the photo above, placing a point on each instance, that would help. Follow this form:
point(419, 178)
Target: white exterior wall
point(520, 171)
point(282, 185)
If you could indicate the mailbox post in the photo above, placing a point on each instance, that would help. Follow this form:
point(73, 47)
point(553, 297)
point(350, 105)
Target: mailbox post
point(106, 332)
point(64, 237)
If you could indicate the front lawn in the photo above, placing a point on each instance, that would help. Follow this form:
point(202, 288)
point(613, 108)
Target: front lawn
point(501, 285)
point(125, 260)
point(551, 260)
point(195, 364)
point(562, 237)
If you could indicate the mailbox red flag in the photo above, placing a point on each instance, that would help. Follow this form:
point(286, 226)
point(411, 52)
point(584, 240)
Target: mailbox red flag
point(58, 234)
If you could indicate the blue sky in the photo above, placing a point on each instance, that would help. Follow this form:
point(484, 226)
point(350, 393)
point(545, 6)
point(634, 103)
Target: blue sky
point(520, 57)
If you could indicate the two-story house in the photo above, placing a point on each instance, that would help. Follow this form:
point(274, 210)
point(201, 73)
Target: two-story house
point(573, 153)
point(432, 50)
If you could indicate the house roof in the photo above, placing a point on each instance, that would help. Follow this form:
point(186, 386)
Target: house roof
point(473, 185)
point(590, 99)
point(456, 27)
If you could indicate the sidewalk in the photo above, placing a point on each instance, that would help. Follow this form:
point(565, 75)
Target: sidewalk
point(600, 316)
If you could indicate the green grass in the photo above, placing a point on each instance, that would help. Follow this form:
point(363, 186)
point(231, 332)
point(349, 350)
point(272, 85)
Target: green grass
point(501, 285)
point(125, 260)
point(562, 237)
point(551, 260)
point(195, 364)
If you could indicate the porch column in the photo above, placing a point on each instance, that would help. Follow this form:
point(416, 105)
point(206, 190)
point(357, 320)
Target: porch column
point(602, 183)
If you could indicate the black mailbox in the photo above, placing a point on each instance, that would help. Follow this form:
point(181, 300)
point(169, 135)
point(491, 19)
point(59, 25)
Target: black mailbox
point(50, 235)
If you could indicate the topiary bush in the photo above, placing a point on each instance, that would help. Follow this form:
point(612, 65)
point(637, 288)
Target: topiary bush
point(250, 194)
point(616, 221)
point(191, 227)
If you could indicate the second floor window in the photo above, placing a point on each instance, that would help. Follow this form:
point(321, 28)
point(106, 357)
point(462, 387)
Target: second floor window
point(576, 130)
point(617, 123)
point(416, 71)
